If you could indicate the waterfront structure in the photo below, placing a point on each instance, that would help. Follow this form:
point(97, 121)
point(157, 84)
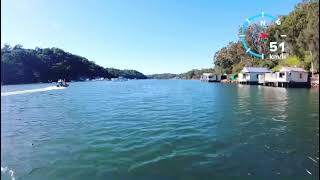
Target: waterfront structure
point(315, 80)
point(250, 75)
point(224, 76)
point(210, 77)
point(286, 77)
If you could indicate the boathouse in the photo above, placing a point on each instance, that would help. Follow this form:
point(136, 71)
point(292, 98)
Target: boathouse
point(210, 77)
point(315, 80)
point(286, 77)
point(250, 75)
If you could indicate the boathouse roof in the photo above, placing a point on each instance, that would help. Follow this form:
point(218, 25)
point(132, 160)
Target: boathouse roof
point(207, 74)
point(290, 69)
point(255, 70)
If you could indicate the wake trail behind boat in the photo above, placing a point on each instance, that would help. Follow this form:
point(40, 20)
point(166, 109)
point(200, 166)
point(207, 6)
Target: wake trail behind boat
point(32, 90)
point(10, 172)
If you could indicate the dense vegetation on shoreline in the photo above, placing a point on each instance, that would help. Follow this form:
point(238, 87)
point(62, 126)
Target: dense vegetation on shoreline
point(162, 76)
point(302, 43)
point(19, 65)
point(192, 74)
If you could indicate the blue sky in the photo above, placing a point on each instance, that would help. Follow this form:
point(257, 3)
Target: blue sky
point(151, 36)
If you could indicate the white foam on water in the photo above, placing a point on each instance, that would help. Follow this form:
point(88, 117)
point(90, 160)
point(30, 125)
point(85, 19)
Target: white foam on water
point(279, 120)
point(32, 90)
point(312, 159)
point(4, 169)
point(10, 172)
point(308, 172)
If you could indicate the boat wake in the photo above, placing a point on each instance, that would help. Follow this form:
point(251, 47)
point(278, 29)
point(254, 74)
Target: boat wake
point(10, 172)
point(31, 90)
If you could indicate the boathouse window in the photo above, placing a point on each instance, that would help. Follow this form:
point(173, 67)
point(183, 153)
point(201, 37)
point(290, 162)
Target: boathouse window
point(300, 75)
point(281, 75)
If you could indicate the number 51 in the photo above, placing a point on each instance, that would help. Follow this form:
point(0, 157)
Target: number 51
point(274, 47)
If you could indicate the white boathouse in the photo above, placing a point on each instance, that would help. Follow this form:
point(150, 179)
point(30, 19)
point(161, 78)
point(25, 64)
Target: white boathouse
point(286, 77)
point(210, 77)
point(250, 75)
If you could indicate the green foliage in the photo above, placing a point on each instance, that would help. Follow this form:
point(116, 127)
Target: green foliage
point(308, 60)
point(236, 68)
point(276, 68)
point(162, 76)
point(195, 73)
point(292, 61)
point(192, 74)
point(231, 58)
point(130, 74)
point(19, 65)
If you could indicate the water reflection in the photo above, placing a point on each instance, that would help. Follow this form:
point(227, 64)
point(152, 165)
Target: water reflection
point(286, 127)
point(244, 99)
point(277, 100)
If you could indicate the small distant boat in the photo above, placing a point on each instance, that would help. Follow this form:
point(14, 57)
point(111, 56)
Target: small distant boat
point(120, 78)
point(98, 79)
point(62, 83)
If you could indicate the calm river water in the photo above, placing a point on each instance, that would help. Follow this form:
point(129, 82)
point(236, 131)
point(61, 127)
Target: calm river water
point(158, 130)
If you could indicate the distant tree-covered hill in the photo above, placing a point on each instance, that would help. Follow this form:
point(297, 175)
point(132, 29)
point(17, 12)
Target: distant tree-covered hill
point(19, 65)
point(192, 74)
point(127, 73)
point(195, 73)
point(162, 76)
